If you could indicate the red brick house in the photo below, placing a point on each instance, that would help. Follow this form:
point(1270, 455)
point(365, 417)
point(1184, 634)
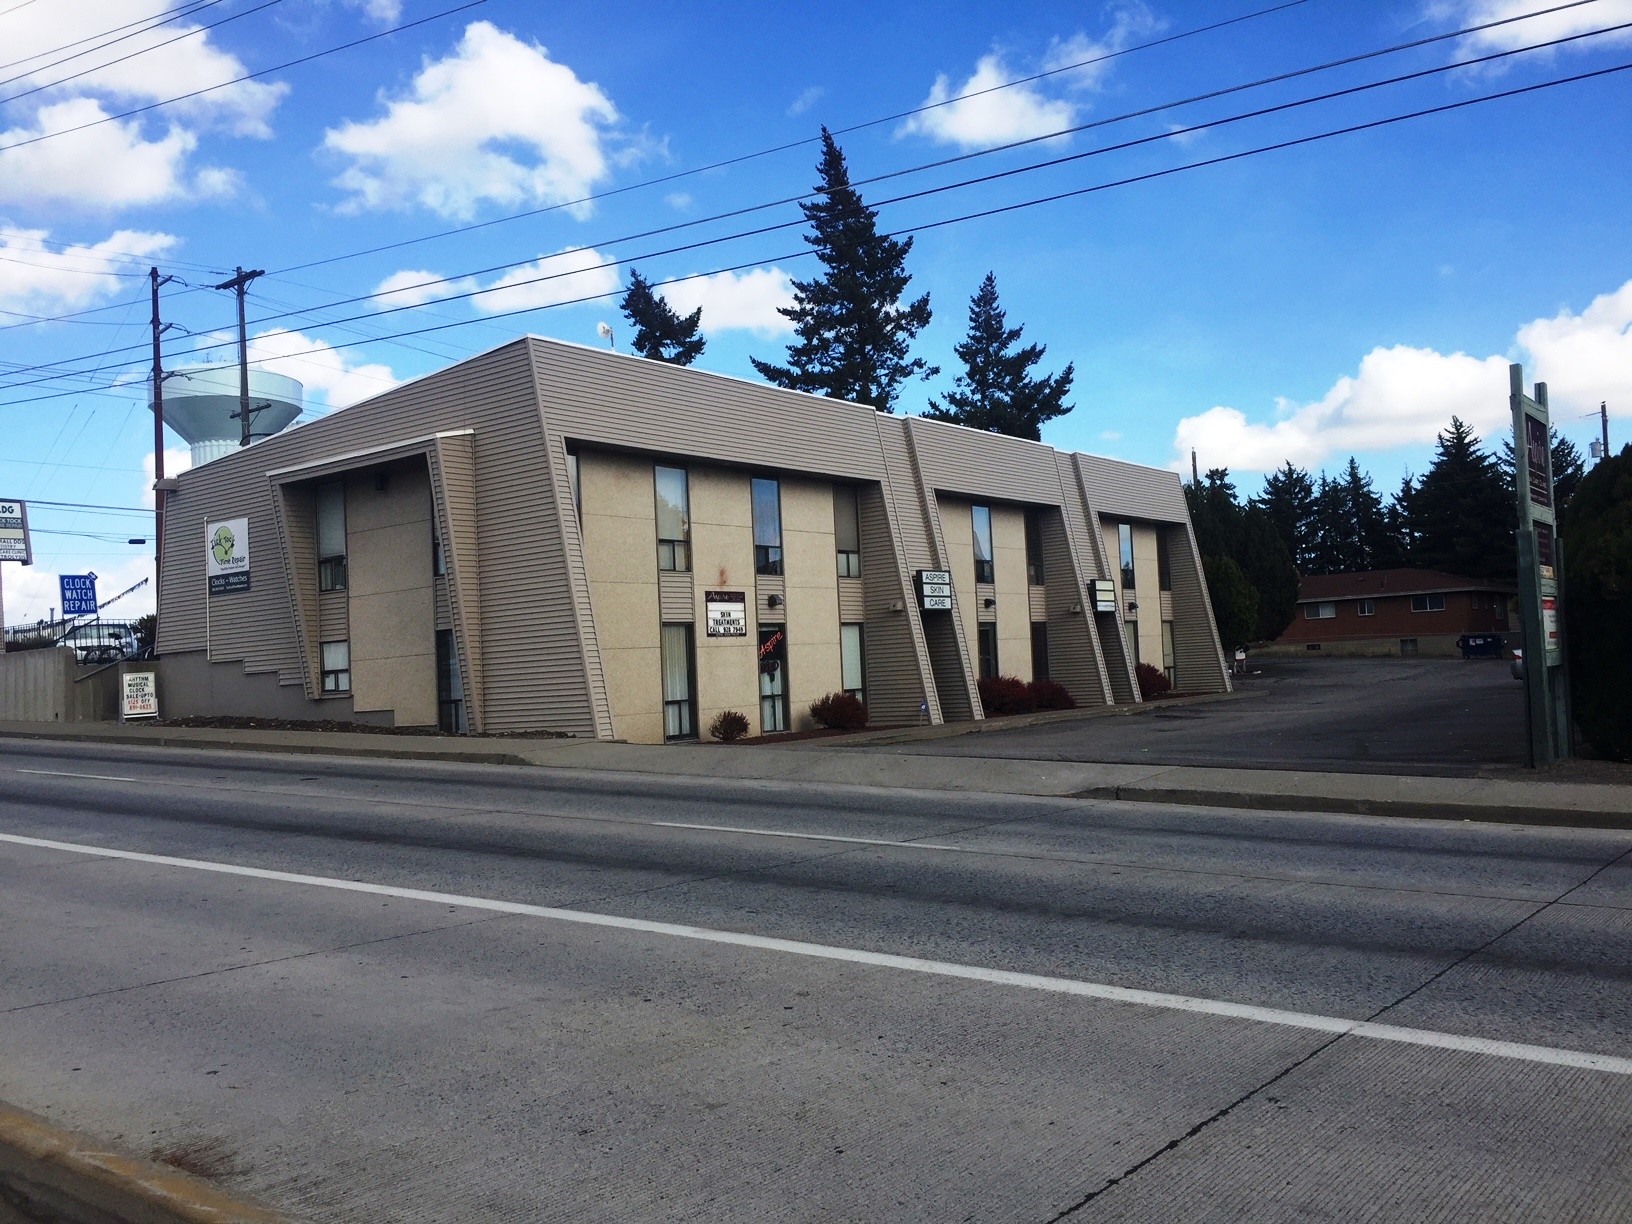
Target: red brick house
point(1396, 612)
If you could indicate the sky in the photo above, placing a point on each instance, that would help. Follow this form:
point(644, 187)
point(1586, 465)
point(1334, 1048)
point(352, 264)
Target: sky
point(423, 180)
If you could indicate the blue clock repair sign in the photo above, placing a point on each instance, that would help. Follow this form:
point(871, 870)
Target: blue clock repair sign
point(78, 594)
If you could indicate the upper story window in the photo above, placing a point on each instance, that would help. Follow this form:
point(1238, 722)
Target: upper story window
point(1368, 607)
point(572, 483)
point(673, 519)
point(1325, 610)
point(1164, 561)
point(439, 557)
point(984, 570)
point(1034, 547)
point(331, 536)
point(847, 530)
point(1124, 543)
point(1427, 603)
point(767, 497)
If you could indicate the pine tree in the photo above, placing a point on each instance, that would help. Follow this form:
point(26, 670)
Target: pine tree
point(852, 332)
point(1370, 536)
point(661, 334)
point(1334, 543)
point(1462, 513)
point(1403, 534)
point(1289, 500)
point(997, 392)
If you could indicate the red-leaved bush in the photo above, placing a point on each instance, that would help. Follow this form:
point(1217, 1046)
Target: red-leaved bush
point(839, 712)
point(1048, 695)
point(730, 725)
point(1001, 695)
point(1153, 681)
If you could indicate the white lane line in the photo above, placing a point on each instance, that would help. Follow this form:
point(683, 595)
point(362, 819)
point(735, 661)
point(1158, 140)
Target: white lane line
point(1001, 977)
point(821, 837)
point(62, 773)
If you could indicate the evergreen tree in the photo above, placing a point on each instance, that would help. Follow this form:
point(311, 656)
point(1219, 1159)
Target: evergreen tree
point(1598, 581)
point(1370, 533)
point(852, 331)
point(1289, 500)
point(661, 334)
point(1462, 513)
point(1403, 536)
point(1235, 603)
point(997, 392)
point(1268, 568)
point(1334, 543)
point(1251, 580)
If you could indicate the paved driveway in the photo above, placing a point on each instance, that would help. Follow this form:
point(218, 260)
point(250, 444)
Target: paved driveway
point(1411, 716)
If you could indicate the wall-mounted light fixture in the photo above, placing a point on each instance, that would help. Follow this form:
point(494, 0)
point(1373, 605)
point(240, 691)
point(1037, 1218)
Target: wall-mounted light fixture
point(773, 601)
point(897, 606)
point(1075, 609)
point(988, 602)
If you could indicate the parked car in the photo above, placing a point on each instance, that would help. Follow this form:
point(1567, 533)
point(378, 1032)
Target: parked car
point(99, 643)
point(1516, 664)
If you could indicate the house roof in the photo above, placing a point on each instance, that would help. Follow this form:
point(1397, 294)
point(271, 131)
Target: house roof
point(1370, 584)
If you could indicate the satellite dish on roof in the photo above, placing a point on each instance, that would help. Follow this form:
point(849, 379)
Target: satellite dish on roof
point(604, 330)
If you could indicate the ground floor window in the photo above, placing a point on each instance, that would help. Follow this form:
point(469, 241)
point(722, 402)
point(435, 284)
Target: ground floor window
point(450, 686)
point(679, 684)
point(773, 679)
point(853, 661)
point(1131, 634)
point(1408, 646)
point(1039, 650)
point(986, 634)
point(336, 667)
point(1168, 663)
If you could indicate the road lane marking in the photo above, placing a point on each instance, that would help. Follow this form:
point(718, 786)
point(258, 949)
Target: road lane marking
point(62, 773)
point(1336, 1025)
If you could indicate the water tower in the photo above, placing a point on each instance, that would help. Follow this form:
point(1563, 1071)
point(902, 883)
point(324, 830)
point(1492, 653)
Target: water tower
point(201, 404)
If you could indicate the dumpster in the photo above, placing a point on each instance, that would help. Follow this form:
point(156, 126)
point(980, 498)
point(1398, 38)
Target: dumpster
point(1480, 645)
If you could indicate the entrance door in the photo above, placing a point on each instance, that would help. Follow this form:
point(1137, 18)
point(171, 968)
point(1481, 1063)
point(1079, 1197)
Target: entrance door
point(773, 680)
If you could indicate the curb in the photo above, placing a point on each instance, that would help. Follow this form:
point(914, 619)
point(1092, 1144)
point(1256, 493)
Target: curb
point(460, 757)
point(53, 1175)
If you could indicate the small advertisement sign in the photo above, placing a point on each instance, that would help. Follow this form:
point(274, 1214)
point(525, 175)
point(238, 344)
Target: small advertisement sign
point(1549, 623)
point(14, 545)
point(1102, 591)
point(226, 555)
point(140, 695)
point(1538, 460)
point(78, 594)
point(935, 590)
point(727, 613)
point(1544, 549)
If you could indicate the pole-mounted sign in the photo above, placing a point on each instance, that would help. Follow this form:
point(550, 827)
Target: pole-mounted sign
point(1541, 573)
point(14, 543)
point(78, 594)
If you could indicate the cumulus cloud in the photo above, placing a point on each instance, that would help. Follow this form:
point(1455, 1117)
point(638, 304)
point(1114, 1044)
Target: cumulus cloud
point(1543, 28)
point(107, 167)
point(412, 287)
point(1405, 396)
point(1083, 62)
point(382, 11)
point(33, 591)
point(496, 121)
point(328, 376)
point(805, 101)
point(37, 279)
point(176, 461)
point(730, 301)
point(979, 113)
point(566, 276)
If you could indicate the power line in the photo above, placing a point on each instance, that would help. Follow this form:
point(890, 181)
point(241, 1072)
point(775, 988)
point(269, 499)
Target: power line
point(167, 20)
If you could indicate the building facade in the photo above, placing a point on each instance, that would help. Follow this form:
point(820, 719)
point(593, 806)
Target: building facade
point(553, 537)
point(1394, 612)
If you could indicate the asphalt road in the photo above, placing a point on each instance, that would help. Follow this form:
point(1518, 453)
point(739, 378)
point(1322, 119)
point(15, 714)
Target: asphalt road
point(497, 994)
point(1411, 716)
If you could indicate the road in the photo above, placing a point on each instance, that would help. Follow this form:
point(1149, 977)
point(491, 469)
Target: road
point(402, 992)
point(1390, 716)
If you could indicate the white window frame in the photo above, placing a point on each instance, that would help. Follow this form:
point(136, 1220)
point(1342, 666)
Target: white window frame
point(1368, 607)
point(1427, 603)
point(1325, 609)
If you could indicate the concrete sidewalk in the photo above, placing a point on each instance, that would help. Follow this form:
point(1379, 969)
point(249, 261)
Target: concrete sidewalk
point(1521, 801)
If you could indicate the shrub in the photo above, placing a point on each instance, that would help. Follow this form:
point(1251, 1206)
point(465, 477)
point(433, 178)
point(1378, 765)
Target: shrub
point(31, 641)
point(1047, 695)
point(1153, 681)
point(840, 712)
point(1003, 695)
point(1598, 605)
point(730, 725)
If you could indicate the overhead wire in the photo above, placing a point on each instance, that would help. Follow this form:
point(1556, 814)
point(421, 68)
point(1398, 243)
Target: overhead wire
point(168, 19)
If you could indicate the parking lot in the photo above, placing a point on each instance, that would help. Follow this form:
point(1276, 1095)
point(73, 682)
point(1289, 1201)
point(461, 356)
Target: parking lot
point(1397, 716)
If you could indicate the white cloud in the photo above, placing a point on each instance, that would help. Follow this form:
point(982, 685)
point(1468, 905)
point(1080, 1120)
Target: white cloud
point(176, 461)
point(412, 287)
point(496, 121)
point(382, 11)
point(978, 113)
point(805, 101)
point(747, 301)
point(107, 167)
point(1405, 396)
point(32, 591)
point(1542, 28)
point(36, 279)
point(577, 272)
point(326, 374)
point(1086, 61)
point(678, 200)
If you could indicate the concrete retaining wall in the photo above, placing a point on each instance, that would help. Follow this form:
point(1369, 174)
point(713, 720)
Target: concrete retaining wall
point(51, 686)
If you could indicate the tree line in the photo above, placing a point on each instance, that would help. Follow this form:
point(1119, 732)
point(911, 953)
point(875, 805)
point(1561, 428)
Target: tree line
point(854, 327)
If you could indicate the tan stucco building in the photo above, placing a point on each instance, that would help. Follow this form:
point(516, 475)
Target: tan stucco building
point(556, 537)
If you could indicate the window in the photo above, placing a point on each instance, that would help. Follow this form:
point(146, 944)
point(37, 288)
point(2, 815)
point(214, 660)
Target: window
point(847, 530)
point(853, 661)
point(1324, 610)
point(767, 498)
point(673, 519)
point(1124, 542)
point(1039, 650)
point(773, 679)
point(982, 516)
point(1408, 646)
point(1168, 659)
point(1479, 600)
point(679, 693)
point(331, 537)
point(1034, 547)
point(439, 559)
point(572, 482)
point(1131, 634)
point(1164, 561)
point(1368, 607)
point(336, 667)
point(450, 688)
point(1427, 603)
point(986, 636)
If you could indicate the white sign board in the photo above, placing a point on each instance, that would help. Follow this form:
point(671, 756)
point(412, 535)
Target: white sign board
point(226, 555)
point(14, 544)
point(140, 696)
point(934, 590)
point(727, 613)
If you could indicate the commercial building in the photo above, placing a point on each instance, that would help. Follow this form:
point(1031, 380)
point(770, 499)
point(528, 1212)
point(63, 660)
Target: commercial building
point(1394, 612)
point(554, 537)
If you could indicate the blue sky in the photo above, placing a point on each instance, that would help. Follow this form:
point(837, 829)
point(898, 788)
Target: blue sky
point(1342, 296)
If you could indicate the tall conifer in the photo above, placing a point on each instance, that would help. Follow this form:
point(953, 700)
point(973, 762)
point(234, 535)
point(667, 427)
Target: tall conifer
point(660, 333)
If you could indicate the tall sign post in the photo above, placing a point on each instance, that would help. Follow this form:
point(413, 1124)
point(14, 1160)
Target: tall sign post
point(1541, 575)
point(14, 546)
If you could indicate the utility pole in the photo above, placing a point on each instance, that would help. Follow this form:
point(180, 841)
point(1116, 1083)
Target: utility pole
point(158, 434)
point(1603, 421)
point(239, 284)
point(1195, 476)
